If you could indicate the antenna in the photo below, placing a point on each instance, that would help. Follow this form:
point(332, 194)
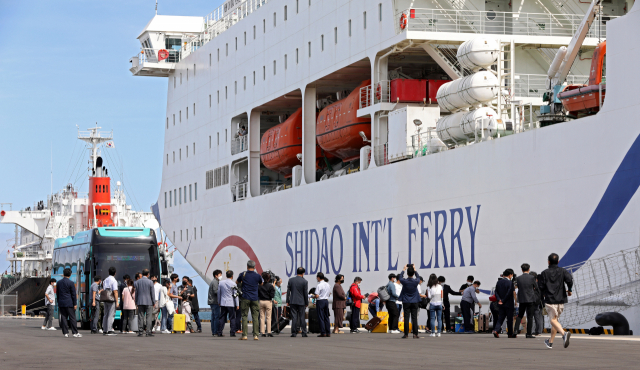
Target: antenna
point(51, 168)
point(156, 7)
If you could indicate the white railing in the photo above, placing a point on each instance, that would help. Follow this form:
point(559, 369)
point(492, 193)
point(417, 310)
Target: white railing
point(239, 144)
point(499, 23)
point(534, 85)
point(241, 191)
point(374, 94)
point(267, 187)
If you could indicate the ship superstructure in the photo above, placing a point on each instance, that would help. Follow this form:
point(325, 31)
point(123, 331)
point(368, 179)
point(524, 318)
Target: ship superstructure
point(353, 137)
point(64, 214)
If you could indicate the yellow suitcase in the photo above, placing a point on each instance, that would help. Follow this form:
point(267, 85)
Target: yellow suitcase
point(179, 323)
point(381, 328)
point(384, 316)
point(364, 311)
point(401, 326)
point(475, 324)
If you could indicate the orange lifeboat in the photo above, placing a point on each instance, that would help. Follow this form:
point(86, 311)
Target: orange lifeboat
point(282, 143)
point(338, 128)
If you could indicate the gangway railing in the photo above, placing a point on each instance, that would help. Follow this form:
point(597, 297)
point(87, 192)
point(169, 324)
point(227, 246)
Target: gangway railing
point(609, 283)
point(498, 23)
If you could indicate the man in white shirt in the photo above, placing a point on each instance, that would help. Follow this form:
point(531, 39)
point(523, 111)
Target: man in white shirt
point(110, 307)
point(322, 305)
point(156, 306)
point(50, 303)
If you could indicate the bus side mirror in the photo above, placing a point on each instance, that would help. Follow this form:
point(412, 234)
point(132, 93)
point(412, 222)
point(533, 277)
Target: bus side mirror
point(165, 269)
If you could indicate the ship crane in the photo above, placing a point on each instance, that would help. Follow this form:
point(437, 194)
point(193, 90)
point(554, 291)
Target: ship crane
point(560, 67)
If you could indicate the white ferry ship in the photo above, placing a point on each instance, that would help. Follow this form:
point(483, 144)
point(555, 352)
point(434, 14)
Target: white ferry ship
point(354, 137)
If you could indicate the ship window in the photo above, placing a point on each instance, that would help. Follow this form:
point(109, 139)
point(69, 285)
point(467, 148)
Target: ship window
point(186, 151)
point(180, 78)
point(274, 19)
point(208, 184)
point(297, 59)
point(209, 141)
point(194, 148)
point(297, 7)
point(245, 38)
point(194, 233)
point(236, 44)
point(187, 74)
point(165, 199)
point(200, 232)
point(194, 109)
point(175, 197)
point(209, 100)
point(226, 93)
point(254, 32)
point(321, 42)
point(244, 83)
point(96, 188)
point(226, 50)
point(167, 123)
point(185, 194)
point(180, 154)
point(167, 158)
point(187, 112)
point(285, 13)
point(174, 119)
point(187, 232)
point(170, 199)
point(379, 12)
point(180, 193)
point(225, 135)
point(190, 199)
point(254, 78)
point(274, 67)
point(218, 138)
point(180, 116)
point(174, 157)
point(335, 35)
point(218, 55)
point(364, 19)
point(174, 236)
point(174, 82)
point(194, 70)
point(264, 26)
point(180, 235)
point(195, 191)
point(285, 67)
point(309, 49)
point(209, 59)
point(349, 27)
point(218, 96)
point(264, 73)
point(235, 87)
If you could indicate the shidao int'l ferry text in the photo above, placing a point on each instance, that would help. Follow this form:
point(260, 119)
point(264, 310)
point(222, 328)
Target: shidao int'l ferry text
point(353, 137)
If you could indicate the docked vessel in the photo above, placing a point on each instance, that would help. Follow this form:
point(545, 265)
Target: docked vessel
point(492, 173)
point(62, 215)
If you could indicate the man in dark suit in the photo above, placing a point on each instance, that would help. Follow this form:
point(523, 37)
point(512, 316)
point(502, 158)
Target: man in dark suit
point(410, 299)
point(527, 298)
point(446, 312)
point(505, 294)
point(67, 304)
point(145, 299)
point(297, 301)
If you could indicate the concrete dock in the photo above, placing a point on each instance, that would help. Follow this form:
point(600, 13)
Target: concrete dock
point(24, 345)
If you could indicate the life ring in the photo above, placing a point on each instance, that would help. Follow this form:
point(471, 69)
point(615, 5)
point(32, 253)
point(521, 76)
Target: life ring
point(379, 92)
point(403, 21)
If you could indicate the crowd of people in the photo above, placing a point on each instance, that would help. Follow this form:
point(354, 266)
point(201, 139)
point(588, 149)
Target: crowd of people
point(260, 297)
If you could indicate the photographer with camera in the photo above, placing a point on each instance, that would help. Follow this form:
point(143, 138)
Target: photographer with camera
point(229, 303)
point(410, 298)
point(249, 282)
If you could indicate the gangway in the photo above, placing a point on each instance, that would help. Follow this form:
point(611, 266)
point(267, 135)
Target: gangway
point(607, 284)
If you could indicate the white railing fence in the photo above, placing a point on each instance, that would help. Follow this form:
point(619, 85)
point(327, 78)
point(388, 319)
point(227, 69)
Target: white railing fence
point(375, 93)
point(499, 23)
point(534, 85)
point(239, 144)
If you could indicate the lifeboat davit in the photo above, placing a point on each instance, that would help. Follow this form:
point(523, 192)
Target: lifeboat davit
point(338, 127)
point(281, 144)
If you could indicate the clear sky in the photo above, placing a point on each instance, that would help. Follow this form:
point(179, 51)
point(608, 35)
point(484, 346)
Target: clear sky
point(66, 63)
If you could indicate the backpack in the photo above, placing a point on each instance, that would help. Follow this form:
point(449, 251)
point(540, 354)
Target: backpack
point(349, 301)
point(383, 294)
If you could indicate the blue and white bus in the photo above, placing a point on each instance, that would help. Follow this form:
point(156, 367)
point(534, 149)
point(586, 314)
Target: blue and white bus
point(91, 253)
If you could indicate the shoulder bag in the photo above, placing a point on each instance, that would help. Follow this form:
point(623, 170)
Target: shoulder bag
point(107, 296)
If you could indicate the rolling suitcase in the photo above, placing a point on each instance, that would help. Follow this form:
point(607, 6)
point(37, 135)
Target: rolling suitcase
point(133, 324)
point(279, 325)
point(314, 322)
point(179, 323)
point(371, 324)
point(483, 322)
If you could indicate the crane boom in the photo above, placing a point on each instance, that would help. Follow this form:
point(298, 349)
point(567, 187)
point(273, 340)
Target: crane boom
point(574, 46)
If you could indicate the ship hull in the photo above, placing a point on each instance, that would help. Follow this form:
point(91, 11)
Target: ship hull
point(30, 293)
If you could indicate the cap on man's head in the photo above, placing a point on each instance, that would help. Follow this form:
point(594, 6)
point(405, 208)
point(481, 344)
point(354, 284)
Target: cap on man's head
point(251, 264)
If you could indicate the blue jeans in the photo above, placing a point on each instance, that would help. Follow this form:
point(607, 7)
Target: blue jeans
point(215, 317)
point(163, 321)
point(436, 311)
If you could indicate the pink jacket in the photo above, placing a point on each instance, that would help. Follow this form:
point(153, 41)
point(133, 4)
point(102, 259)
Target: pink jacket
point(128, 299)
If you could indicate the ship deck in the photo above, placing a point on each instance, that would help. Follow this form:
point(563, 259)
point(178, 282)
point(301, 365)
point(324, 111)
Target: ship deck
point(26, 346)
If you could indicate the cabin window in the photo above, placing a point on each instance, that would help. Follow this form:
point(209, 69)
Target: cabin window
point(321, 42)
point(244, 83)
point(167, 159)
point(167, 123)
point(180, 193)
point(245, 38)
point(165, 199)
point(335, 35)
point(309, 49)
point(274, 67)
point(254, 78)
point(209, 100)
point(194, 109)
point(349, 27)
point(285, 13)
point(236, 44)
point(209, 59)
point(235, 87)
point(170, 199)
point(226, 50)
point(379, 12)
point(190, 199)
point(254, 32)
point(285, 67)
point(274, 20)
point(195, 191)
point(185, 194)
point(174, 119)
point(175, 197)
point(209, 141)
point(364, 19)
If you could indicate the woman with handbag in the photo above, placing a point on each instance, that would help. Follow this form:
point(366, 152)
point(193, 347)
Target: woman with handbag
point(339, 304)
point(164, 304)
point(128, 307)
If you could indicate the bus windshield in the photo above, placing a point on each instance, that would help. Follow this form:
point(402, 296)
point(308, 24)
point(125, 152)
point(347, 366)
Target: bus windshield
point(128, 259)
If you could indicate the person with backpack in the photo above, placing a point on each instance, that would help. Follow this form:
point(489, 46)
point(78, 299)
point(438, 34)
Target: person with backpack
point(551, 283)
point(339, 304)
point(435, 295)
point(392, 307)
point(356, 297)
point(527, 297)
